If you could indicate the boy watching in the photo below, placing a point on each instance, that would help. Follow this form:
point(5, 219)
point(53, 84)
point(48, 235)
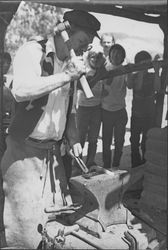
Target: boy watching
point(114, 115)
point(144, 85)
point(89, 110)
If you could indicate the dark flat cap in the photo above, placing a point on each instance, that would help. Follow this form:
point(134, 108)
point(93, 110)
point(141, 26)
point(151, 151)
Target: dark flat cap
point(84, 20)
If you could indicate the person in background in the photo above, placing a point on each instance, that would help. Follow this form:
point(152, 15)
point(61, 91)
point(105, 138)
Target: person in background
point(106, 41)
point(7, 95)
point(89, 110)
point(6, 62)
point(144, 84)
point(114, 114)
point(6, 109)
point(8, 101)
point(32, 166)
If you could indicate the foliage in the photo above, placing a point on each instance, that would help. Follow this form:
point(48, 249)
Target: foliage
point(31, 19)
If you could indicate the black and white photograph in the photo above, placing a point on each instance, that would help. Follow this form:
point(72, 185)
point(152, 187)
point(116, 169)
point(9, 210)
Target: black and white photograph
point(83, 124)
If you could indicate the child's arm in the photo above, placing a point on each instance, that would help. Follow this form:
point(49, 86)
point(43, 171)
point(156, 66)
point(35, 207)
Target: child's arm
point(130, 80)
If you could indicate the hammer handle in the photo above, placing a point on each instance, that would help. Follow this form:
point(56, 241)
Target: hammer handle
point(83, 81)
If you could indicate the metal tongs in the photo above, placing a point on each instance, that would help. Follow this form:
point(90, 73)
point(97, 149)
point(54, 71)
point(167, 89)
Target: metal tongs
point(81, 164)
point(86, 173)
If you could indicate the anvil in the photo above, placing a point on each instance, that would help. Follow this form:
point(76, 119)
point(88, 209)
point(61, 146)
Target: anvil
point(102, 196)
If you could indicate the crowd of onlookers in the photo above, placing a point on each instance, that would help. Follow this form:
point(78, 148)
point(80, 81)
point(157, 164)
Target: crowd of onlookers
point(108, 106)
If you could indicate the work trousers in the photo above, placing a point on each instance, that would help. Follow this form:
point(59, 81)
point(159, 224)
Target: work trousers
point(88, 122)
point(33, 180)
point(113, 122)
point(139, 129)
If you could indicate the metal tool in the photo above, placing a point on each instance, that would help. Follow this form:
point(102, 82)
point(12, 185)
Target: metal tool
point(64, 209)
point(101, 170)
point(46, 241)
point(97, 170)
point(62, 233)
point(131, 240)
point(81, 164)
point(60, 237)
point(96, 243)
point(49, 242)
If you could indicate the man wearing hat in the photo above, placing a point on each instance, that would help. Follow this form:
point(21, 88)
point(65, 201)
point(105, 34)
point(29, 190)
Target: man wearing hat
point(32, 166)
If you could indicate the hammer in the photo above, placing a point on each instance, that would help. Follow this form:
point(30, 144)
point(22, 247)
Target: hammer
point(61, 28)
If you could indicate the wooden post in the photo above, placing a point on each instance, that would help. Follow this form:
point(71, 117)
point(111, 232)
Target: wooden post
point(3, 27)
point(2, 34)
point(164, 80)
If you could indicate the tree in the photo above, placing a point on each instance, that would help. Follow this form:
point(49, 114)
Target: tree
point(31, 19)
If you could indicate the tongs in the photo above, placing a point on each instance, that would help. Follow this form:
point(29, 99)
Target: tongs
point(81, 164)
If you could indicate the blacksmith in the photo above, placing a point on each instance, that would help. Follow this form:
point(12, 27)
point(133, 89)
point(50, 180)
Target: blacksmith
point(32, 166)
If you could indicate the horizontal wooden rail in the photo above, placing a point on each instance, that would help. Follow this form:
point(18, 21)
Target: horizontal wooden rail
point(104, 74)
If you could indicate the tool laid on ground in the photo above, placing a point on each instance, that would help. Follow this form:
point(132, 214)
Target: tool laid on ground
point(132, 242)
point(60, 210)
point(57, 241)
point(62, 233)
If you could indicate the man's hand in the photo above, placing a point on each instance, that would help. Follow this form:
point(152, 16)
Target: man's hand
point(75, 68)
point(76, 150)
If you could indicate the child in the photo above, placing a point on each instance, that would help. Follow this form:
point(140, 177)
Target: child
point(89, 111)
point(144, 85)
point(114, 115)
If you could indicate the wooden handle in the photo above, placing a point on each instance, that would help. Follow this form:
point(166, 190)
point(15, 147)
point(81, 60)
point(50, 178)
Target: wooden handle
point(83, 81)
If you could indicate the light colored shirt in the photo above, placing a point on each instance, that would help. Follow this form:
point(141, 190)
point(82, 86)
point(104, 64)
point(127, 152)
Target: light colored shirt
point(114, 92)
point(82, 100)
point(93, 101)
point(51, 125)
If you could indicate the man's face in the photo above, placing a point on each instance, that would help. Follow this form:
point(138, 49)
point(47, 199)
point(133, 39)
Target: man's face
point(80, 41)
point(106, 43)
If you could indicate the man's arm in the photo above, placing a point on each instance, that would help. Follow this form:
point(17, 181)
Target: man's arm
point(71, 130)
point(28, 84)
point(73, 136)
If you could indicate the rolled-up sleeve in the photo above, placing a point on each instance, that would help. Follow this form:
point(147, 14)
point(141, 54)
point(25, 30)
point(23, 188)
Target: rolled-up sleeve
point(27, 70)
